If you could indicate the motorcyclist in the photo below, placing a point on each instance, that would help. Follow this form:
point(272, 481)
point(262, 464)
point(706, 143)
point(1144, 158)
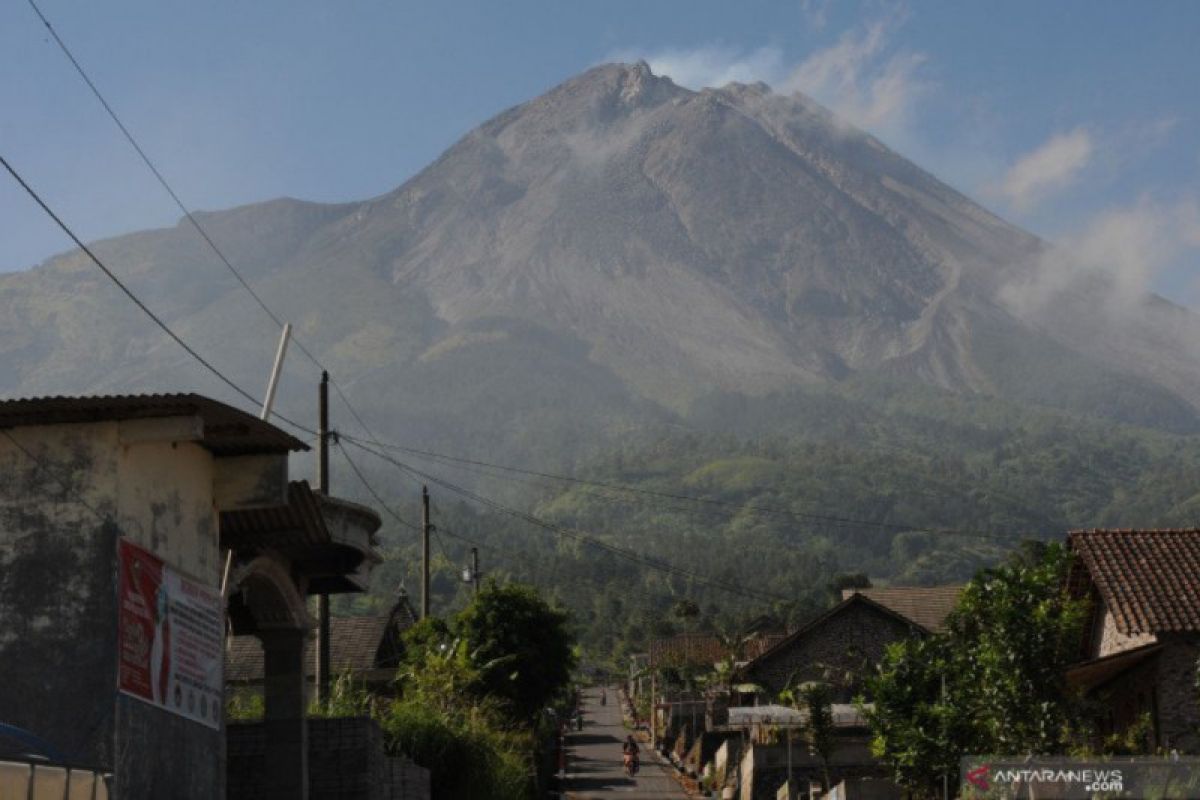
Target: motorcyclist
point(629, 752)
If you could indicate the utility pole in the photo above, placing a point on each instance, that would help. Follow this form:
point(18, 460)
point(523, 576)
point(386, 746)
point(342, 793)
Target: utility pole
point(323, 488)
point(425, 527)
point(475, 568)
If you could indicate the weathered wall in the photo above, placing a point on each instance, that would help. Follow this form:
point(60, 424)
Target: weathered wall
point(847, 643)
point(765, 767)
point(59, 526)
point(57, 590)
point(1175, 691)
point(1109, 640)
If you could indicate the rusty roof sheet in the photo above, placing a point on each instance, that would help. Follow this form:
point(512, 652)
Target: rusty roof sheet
point(687, 649)
point(227, 430)
point(1150, 580)
point(928, 606)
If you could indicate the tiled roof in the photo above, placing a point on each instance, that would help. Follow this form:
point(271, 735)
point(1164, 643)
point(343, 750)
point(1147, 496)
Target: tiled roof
point(691, 649)
point(354, 645)
point(855, 597)
point(1150, 580)
point(227, 430)
point(928, 606)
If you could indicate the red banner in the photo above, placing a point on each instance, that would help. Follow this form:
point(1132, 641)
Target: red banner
point(170, 637)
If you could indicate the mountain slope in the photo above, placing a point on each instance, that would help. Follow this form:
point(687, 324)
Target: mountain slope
point(599, 261)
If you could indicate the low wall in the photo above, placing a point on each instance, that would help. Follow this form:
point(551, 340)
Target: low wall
point(346, 761)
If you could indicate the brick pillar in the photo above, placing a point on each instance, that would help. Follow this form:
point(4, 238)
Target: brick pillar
point(286, 763)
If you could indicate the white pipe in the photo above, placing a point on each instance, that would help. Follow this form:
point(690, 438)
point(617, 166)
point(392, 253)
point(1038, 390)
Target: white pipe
point(273, 383)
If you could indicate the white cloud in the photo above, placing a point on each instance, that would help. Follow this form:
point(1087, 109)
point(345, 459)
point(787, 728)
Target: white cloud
point(1052, 167)
point(1126, 248)
point(816, 13)
point(713, 65)
point(861, 77)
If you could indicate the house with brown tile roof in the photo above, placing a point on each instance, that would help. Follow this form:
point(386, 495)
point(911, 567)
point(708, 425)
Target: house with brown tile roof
point(928, 606)
point(838, 647)
point(1142, 641)
point(370, 648)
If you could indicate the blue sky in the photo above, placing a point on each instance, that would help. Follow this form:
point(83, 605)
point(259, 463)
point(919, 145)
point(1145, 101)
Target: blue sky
point(1078, 120)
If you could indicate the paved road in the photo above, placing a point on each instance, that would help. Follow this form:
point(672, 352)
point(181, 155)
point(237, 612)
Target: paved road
point(594, 758)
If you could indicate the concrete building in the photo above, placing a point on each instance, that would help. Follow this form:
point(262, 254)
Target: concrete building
point(120, 517)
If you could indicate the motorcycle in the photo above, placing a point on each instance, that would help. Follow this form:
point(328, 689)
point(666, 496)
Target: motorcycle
point(631, 764)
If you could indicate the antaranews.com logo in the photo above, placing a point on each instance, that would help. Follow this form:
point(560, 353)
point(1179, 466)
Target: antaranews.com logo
point(1082, 779)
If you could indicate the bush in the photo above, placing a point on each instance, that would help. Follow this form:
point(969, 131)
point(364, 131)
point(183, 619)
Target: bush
point(468, 759)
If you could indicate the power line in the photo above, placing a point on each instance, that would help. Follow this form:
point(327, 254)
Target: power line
point(191, 218)
point(159, 176)
point(630, 555)
point(838, 520)
point(66, 487)
point(136, 300)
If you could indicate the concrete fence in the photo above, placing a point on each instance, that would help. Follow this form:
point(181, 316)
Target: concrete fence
point(21, 780)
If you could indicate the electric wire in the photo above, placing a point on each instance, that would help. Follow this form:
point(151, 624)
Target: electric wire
point(135, 299)
point(632, 556)
point(187, 213)
point(66, 487)
point(828, 519)
point(838, 520)
point(191, 217)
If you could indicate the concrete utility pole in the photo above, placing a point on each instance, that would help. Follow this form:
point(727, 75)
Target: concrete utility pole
point(425, 527)
point(323, 488)
point(475, 568)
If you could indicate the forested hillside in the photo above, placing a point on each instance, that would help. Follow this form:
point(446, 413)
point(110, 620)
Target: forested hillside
point(903, 483)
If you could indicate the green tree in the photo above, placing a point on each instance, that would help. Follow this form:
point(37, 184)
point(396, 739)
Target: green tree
point(521, 645)
point(1016, 630)
point(918, 727)
point(994, 683)
point(819, 732)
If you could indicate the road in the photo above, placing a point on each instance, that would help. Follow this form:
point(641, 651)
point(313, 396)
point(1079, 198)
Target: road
point(594, 758)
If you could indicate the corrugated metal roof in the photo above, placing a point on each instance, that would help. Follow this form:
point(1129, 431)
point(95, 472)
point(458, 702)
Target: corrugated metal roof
point(227, 430)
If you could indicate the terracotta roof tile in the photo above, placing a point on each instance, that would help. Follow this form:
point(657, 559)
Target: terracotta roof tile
point(354, 643)
point(928, 606)
point(1150, 580)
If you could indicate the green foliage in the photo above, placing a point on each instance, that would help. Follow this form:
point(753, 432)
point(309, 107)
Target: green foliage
point(521, 646)
point(244, 706)
point(1016, 631)
point(932, 468)
point(919, 729)
point(815, 698)
point(994, 683)
point(346, 699)
point(472, 688)
point(468, 756)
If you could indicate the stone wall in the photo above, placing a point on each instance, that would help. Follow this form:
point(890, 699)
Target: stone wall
point(1178, 705)
point(346, 761)
point(851, 640)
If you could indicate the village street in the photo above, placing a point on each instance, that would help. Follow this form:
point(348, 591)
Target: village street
point(594, 758)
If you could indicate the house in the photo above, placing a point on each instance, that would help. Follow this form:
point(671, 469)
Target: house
point(1142, 639)
point(125, 552)
point(368, 648)
point(840, 646)
point(928, 606)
